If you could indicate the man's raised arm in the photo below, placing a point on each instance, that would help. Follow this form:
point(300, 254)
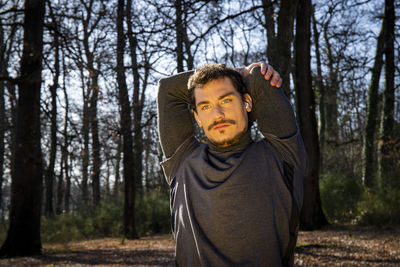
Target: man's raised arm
point(174, 118)
point(276, 121)
point(271, 108)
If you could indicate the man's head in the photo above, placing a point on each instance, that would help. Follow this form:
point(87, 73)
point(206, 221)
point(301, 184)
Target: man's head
point(220, 103)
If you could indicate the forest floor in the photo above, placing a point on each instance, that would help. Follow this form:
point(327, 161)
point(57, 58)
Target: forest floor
point(333, 246)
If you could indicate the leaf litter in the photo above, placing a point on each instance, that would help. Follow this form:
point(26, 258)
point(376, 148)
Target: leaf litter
point(333, 246)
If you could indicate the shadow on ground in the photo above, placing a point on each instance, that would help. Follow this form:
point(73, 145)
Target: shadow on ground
point(110, 257)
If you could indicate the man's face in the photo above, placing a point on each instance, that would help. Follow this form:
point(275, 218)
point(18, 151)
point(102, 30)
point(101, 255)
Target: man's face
point(221, 111)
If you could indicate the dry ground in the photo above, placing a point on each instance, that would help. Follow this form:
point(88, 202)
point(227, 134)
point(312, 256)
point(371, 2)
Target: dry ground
point(336, 246)
point(349, 246)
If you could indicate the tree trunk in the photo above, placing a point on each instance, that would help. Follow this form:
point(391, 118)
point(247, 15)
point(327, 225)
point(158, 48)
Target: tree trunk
point(179, 35)
point(116, 188)
point(186, 40)
point(3, 72)
point(388, 140)
point(60, 190)
point(23, 237)
point(92, 98)
point(147, 152)
point(329, 99)
point(137, 104)
point(11, 88)
point(370, 149)
point(108, 174)
point(85, 150)
point(312, 216)
point(268, 10)
point(49, 209)
point(6, 46)
point(92, 95)
point(320, 88)
point(65, 157)
point(279, 53)
point(95, 140)
point(126, 123)
point(67, 195)
point(5, 50)
point(63, 166)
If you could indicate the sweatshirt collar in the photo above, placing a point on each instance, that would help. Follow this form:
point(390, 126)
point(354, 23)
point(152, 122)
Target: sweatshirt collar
point(240, 146)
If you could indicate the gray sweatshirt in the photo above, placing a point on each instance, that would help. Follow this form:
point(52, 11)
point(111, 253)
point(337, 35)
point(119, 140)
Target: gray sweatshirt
point(236, 206)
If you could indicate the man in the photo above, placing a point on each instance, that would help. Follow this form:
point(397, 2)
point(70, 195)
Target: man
point(234, 202)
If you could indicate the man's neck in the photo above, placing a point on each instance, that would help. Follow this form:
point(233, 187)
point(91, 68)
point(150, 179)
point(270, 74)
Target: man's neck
point(238, 146)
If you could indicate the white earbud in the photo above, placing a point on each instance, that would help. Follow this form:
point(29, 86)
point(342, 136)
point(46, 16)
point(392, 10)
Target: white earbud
point(246, 105)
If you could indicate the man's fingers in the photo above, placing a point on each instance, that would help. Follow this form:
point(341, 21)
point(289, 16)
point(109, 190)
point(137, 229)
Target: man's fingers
point(263, 66)
point(276, 79)
point(253, 65)
point(269, 72)
point(279, 83)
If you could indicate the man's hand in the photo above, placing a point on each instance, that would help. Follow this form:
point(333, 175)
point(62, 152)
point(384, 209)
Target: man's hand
point(266, 70)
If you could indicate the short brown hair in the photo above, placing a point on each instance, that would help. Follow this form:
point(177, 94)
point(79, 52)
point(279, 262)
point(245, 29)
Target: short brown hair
point(211, 72)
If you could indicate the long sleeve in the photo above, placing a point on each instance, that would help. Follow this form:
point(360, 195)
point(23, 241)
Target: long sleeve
point(276, 121)
point(271, 109)
point(174, 118)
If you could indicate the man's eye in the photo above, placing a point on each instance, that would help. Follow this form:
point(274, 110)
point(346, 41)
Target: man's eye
point(225, 101)
point(205, 107)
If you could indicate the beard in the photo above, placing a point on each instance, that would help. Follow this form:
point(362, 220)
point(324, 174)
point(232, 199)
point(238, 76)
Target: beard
point(228, 142)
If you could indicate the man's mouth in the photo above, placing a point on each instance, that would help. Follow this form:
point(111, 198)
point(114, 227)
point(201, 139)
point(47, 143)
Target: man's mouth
point(221, 126)
point(217, 125)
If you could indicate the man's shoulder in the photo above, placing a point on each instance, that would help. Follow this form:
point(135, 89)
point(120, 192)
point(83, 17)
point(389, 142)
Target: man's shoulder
point(188, 147)
point(274, 146)
point(262, 146)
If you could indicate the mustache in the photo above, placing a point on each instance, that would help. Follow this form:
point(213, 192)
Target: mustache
point(215, 123)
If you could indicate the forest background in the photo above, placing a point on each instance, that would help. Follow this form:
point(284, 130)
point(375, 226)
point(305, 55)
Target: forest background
point(79, 151)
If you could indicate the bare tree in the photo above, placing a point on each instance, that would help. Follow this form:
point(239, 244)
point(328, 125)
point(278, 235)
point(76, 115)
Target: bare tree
point(343, 60)
point(311, 215)
point(388, 140)
point(330, 96)
point(138, 98)
point(183, 44)
point(371, 125)
point(23, 237)
point(85, 133)
point(117, 182)
point(93, 90)
point(319, 86)
point(126, 124)
point(8, 87)
point(87, 47)
point(3, 72)
point(64, 180)
point(64, 150)
point(280, 41)
point(50, 177)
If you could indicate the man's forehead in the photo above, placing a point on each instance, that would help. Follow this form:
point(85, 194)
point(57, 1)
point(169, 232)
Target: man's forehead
point(215, 89)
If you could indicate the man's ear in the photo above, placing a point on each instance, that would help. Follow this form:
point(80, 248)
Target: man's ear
point(248, 102)
point(197, 118)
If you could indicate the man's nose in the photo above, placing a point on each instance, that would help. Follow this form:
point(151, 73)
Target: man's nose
point(218, 112)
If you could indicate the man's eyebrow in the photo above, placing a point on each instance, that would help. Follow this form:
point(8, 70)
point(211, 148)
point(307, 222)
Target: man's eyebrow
point(225, 95)
point(202, 103)
point(219, 98)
